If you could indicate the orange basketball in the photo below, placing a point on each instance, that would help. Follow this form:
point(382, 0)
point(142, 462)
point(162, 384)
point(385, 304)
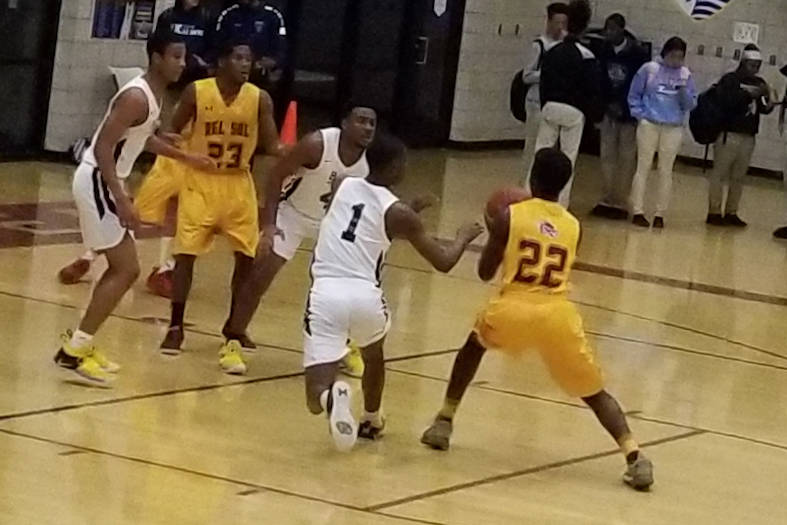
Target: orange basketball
point(503, 198)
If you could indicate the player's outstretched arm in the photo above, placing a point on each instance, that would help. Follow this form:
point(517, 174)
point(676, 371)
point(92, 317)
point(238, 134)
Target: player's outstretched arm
point(494, 250)
point(306, 153)
point(402, 222)
point(184, 113)
point(268, 141)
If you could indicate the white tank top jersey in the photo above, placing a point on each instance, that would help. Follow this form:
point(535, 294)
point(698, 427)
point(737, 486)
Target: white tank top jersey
point(132, 143)
point(353, 242)
point(309, 189)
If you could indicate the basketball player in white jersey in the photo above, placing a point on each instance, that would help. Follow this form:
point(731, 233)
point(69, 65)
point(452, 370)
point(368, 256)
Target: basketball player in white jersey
point(346, 300)
point(296, 194)
point(106, 214)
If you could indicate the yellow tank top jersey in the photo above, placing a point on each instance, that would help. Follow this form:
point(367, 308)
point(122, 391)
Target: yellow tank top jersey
point(228, 134)
point(542, 246)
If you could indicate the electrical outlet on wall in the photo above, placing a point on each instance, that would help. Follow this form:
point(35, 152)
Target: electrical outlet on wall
point(701, 50)
point(719, 51)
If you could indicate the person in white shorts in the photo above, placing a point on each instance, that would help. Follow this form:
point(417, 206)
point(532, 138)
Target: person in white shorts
point(296, 193)
point(346, 299)
point(106, 214)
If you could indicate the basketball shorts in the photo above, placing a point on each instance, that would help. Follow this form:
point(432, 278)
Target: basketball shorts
point(211, 204)
point(294, 227)
point(162, 183)
point(98, 219)
point(338, 310)
point(551, 326)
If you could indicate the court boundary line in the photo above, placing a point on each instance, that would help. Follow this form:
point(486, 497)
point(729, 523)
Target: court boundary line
point(524, 472)
point(203, 474)
point(631, 414)
point(196, 330)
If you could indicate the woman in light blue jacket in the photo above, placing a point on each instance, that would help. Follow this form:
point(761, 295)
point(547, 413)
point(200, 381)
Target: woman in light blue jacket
point(661, 96)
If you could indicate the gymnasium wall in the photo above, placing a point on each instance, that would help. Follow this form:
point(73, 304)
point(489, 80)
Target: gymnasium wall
point(81, 83)
point(492, 51)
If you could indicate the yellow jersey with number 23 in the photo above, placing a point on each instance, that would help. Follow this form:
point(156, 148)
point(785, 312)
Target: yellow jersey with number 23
point(226, 133)
point(542, 245)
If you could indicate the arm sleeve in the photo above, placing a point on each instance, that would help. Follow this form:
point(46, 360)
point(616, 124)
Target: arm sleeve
point(689, 95)
point(731, 95)
point(637, 93)
point(532, 74)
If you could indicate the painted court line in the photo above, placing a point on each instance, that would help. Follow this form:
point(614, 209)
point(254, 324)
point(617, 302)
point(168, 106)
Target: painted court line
point(524, 472)
point(244, 485)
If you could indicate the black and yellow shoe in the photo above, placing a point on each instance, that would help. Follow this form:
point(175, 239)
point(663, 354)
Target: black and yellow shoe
point(84, 365)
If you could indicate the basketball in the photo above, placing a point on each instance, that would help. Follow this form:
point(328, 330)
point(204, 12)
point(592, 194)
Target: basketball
point(503, 198)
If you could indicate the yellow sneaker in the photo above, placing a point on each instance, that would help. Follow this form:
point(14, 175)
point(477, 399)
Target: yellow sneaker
point(231, 358)
point(352, 364)
point(81, 361)
point(102, 360)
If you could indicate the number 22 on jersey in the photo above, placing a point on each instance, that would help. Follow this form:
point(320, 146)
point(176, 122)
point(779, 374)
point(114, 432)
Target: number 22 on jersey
point(541, 265)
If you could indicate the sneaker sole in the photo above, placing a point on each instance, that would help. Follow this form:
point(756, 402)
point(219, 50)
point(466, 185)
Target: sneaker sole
point(344, 429)
point(236, 370)
point(72, 375)
point(441, 445)
point(171, 351)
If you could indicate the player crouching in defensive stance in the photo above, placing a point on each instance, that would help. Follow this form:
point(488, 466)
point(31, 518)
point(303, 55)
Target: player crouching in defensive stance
point(345, 299)
point(536, 241)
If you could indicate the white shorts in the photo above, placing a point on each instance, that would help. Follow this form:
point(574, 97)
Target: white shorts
point(338, 310)
point(295, 227)
point(98, 219)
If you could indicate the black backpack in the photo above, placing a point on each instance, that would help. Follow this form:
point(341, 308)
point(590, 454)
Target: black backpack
point(519, 89)
point(707, 120)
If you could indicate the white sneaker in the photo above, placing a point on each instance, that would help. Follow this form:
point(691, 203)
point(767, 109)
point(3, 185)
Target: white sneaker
point(343, 427)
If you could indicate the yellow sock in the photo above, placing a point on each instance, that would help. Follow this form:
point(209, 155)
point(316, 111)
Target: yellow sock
point(628, 445)
point(449, 408)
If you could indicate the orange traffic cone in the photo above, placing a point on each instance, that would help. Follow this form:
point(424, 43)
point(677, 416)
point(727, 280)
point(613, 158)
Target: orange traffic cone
point(289, 130)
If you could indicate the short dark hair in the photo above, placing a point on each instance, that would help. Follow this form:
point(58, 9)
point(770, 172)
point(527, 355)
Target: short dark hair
point(675, 43)
point(551, 172)
point(557, 8)
point(579, 14)
point(160, 40)
point(348, 108)
point(384, 150)
point(618, 19)
point(228, 46)
point(751, 47)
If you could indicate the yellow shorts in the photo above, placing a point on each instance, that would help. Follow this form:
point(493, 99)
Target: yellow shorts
point(516, 323)
point(162, 183)
point(211, 204)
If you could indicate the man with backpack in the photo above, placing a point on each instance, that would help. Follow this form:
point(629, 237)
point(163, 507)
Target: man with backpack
point(742, 96)
point(557, 19)
point(620, 57)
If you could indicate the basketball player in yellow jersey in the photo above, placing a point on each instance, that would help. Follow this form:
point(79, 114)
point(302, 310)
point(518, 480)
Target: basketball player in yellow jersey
point(536, 241)
point(229, 116)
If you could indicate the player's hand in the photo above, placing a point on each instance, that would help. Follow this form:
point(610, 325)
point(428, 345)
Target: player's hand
point(423, 202)
point(129, 218)
point(200, 162)
point(266, 240)
point(468, 232)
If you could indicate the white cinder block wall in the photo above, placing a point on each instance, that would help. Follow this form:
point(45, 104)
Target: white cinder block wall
point(492, 51)
point(81, 84)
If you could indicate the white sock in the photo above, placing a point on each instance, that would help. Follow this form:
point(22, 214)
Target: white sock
point(167, 266)
point(165, 253)
point(89, 255)
point(80, 339)
point(375, 418)
point(324, 399)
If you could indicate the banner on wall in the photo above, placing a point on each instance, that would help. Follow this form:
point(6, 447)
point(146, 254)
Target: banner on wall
point(703, 9)
point(123, 19)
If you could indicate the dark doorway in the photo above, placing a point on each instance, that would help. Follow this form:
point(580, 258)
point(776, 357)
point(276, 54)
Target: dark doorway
point(28, 37)
point(397, 55)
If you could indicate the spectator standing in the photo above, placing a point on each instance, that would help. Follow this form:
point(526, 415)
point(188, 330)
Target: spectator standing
point(620, 58)
point(187, 20)
point(743, 96)
point(263, 26)
point(662, 95)
point(557, 21)
point(570, 90)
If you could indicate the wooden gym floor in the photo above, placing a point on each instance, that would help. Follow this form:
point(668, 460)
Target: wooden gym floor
point(689, 324)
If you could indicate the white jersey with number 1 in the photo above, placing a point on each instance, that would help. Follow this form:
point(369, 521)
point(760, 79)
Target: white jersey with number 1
point(345, 300)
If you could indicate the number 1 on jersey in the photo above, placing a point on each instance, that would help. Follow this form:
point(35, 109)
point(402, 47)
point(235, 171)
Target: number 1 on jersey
point(349, 234)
